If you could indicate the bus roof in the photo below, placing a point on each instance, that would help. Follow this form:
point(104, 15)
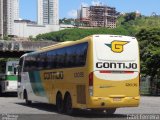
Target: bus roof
point(62, 43)
point(67, 43)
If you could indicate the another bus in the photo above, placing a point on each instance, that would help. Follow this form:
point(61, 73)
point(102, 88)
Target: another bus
point(8, 76)
point(99, 72)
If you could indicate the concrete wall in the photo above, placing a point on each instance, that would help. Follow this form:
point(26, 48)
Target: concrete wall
point(23, 45)
point(1, 18)
point(23, 29)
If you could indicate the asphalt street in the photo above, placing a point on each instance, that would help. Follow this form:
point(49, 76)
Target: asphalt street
point(13, 108)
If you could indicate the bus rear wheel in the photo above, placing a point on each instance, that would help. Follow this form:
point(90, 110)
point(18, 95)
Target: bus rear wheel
point(110, 111)
point(0, 91)
point(28, 102)
point(59, 103)
point(68, 105)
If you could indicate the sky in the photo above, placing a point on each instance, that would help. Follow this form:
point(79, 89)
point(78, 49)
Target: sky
point(68, 8)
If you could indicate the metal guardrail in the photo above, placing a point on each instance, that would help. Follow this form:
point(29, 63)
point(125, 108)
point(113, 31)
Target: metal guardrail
point(149, 87)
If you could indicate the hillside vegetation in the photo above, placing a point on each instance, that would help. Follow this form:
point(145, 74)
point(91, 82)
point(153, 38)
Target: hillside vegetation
point(76, 33)
point(130, 20)
point(128, 24)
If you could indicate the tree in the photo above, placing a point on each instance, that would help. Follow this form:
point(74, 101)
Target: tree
point(149, 40)
point(130, 16)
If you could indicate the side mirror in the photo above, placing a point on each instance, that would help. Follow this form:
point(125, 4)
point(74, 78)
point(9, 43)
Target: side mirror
point(15, 71)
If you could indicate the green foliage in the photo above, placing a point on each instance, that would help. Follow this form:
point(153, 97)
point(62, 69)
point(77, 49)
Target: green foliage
point(76, 33)
point(66, 21)
point(128, 24)
point(138, 23)
point(30, 37)
point(149, 41)
point(6, 38)
point(130, 16)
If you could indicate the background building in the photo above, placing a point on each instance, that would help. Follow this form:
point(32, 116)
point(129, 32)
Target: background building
point(11, 25)
point(47, 20)
point(9, 11)
point(98, 16)
point(48, 12)
point(1, 18)
point(83, 15)
point(40, 12)
point(27, 28)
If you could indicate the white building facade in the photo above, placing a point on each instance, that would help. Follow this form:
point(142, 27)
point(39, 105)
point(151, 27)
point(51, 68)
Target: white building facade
point(47, 19)
point(48, 12)
point(1, 18)
point(9, 11)
point(16, 9)
point(85, 12)
point(40, 12)
point(25, 30)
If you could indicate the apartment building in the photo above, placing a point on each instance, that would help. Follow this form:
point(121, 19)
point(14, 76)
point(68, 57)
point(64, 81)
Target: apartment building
point(98, 16)
point(9, 11)
point(48, 12)
point(1, 18)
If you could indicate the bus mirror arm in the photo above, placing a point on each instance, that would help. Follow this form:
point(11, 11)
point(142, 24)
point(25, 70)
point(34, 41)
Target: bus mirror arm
point(16, 69)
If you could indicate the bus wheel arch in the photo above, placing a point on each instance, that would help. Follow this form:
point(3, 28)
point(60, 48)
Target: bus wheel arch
point(59, 102)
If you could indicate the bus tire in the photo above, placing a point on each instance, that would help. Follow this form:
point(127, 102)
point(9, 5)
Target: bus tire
point(0, 91)
point(28, 102)
point(68, 105)
point(59, 102)
point(110, 111)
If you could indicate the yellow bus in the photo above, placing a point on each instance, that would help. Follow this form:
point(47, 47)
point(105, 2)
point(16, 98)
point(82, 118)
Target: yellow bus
point(99, 72)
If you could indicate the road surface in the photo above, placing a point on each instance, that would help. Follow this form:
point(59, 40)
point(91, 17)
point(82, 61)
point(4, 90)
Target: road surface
point(12, 107)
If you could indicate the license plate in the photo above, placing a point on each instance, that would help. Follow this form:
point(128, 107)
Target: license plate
point(116, 99)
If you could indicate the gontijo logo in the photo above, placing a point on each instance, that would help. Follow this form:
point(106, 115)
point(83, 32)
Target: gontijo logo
point(117, 46)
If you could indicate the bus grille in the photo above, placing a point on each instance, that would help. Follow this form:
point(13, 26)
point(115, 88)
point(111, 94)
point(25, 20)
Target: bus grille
point(81, 96)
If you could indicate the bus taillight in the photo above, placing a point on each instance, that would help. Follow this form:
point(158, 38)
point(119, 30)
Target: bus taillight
point(91, 79)
point(91, 84)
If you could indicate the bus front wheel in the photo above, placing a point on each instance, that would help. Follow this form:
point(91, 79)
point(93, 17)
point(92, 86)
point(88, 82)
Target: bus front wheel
point(59, 103)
